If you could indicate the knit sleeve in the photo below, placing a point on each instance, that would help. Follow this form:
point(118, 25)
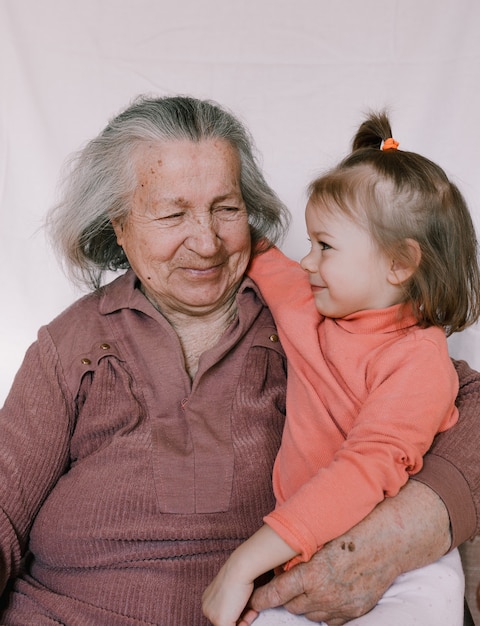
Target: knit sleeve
point(35, 427)
point(451, 468)
point(392, 431)
point(282, 282)
point(286, 290)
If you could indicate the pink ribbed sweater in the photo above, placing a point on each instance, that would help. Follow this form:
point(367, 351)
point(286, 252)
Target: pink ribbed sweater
point(106, 439)
point(139, 483)
point(366, 395)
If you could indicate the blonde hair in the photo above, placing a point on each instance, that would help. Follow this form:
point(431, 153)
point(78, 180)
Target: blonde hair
point(399, 196)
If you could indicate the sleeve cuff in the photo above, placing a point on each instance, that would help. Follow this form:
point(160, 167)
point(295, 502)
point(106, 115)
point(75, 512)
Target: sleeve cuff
point(450, 485)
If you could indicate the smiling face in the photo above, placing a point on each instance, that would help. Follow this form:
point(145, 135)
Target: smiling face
point(187, 236)
point(347, 272)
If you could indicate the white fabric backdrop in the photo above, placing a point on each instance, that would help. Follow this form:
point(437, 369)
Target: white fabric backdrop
point(300, 73)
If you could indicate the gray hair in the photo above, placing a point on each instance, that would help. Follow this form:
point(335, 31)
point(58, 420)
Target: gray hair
point(101, 179)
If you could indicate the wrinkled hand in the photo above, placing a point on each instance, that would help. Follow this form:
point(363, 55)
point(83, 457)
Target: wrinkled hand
point(335, 586)
point(350, 574)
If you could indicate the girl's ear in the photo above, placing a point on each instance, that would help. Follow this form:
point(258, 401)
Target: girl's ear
point(402, 269)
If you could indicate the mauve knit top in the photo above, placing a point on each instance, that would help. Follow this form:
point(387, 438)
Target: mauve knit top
point(139, 482)
point(130, 484)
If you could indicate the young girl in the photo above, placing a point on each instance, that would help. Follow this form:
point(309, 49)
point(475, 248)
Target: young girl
point(391, 271)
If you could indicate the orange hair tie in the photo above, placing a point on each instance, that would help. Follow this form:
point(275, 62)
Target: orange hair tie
point(390, 144)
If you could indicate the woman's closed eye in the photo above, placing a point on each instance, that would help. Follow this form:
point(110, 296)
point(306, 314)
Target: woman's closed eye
point(167, 220)
point(228, 212)
point(172, 216)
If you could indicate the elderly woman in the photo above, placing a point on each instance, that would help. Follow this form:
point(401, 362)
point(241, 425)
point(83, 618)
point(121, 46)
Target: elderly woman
point(138, 439)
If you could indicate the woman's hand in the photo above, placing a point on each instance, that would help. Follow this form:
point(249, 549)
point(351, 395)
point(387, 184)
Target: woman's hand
point(350, 574)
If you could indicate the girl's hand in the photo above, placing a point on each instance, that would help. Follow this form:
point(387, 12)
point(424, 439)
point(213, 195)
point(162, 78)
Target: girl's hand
point(225, 599)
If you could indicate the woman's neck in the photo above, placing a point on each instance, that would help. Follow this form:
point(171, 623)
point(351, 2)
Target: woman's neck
point(198, 333)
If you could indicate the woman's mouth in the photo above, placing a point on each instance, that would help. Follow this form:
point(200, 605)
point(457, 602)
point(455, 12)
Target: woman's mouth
point(202, 272)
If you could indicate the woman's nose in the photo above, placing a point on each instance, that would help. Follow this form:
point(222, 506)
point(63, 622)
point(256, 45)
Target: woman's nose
point(203, 237)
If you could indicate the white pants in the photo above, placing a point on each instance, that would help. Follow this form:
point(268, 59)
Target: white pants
point(429, 596)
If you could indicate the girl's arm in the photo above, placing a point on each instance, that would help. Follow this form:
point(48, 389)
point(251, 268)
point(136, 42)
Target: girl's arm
point(416, 522)
point(227, 595)
point(282, 282)
point(350, 574)
point(392, 431)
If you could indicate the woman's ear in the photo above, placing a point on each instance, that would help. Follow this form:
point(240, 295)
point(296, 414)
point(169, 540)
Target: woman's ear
point(403, 269)
point(118, 229)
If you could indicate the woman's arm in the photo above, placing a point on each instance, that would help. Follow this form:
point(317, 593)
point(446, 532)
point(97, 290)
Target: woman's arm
point(452, 467)
point(34, 444)
point(349, 575)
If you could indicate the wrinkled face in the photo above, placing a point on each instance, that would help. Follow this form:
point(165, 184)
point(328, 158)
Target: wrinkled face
point(347, 272)
point(187, 236)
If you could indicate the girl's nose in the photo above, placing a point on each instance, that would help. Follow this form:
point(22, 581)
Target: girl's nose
point(308, 263)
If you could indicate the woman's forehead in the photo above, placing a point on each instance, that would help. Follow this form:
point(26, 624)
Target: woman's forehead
point(185, 173)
